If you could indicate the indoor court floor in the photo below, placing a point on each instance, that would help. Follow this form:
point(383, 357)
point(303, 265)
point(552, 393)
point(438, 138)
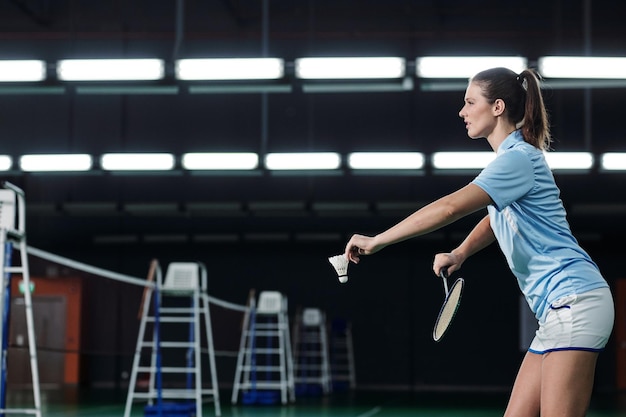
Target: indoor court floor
point(110, 403)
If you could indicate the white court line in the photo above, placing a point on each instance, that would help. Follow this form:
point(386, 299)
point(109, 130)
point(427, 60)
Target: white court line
point(110, 410)
point(371, 412)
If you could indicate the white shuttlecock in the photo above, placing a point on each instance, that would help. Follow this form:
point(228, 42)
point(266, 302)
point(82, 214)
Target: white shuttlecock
point(340, 263)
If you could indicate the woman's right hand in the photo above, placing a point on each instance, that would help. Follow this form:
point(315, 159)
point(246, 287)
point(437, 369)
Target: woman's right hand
point(447, 261)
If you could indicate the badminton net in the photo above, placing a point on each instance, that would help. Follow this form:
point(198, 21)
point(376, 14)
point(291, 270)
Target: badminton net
point(86, 332)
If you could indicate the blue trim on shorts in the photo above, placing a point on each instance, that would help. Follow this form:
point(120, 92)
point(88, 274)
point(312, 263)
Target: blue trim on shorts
point(558, 308)
point(541, 352)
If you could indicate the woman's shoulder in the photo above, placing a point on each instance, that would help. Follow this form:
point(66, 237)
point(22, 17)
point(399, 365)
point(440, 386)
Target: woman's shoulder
point(524, 149)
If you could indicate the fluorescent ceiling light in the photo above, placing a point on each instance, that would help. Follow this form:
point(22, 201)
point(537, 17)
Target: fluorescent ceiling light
point(350, 68)
point(230, 69)
point(386, 160)
point(582, 67)
point(219, 161)
point(479, 160)
point(110, 69)
point(55, 162)
point(464, 67)
point(22, 71)
point(462, 160)
point(569, 160)
point(5, 162)
point(137, 162)
point(348, 86)
point(613, 161)
point(303, 161)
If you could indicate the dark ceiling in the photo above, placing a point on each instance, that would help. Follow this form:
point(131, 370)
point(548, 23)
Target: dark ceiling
point(101, 207)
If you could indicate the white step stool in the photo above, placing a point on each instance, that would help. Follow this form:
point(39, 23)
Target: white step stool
point(265, 362)
point(185, 283)
point(312, 368)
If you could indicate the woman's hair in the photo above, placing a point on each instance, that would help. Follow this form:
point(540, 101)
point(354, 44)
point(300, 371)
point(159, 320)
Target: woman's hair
point(523, 101)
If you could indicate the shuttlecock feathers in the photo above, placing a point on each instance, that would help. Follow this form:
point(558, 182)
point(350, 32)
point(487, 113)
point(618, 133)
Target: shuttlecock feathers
point(340, 263)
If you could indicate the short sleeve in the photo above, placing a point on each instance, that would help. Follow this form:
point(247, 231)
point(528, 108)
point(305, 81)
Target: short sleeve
point(507, 178)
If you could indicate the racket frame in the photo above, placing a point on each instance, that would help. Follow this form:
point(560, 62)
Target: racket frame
point(459, 282)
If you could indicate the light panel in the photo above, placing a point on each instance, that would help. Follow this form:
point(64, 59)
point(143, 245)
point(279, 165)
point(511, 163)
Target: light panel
point(569, 160)
point(137, 162)
point(303, 161)
point(55, 162)
point(22, 70)
point(613, 161)
point(220, 161)
point(461, 160)
point(230, 69)
point(582, 67)
point(6, 162)
point(349, 86)
point(464, 67)
point(110, 69)
point(350, 68)
point(386, 160)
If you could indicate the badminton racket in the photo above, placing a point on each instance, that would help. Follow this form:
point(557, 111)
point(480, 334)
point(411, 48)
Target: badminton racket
point(450, 305)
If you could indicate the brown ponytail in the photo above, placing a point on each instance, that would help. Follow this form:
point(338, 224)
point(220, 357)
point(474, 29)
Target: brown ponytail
point(535, 127)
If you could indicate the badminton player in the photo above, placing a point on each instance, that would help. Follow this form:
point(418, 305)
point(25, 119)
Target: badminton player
point(563, 286)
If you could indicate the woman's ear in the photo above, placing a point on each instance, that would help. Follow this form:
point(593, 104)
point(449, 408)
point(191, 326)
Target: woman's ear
point(498, 107)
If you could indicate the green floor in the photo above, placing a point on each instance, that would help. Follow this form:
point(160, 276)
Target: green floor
point(110, 403)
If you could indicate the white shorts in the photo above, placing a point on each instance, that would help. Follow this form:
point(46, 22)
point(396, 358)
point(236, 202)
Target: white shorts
point(576, 322)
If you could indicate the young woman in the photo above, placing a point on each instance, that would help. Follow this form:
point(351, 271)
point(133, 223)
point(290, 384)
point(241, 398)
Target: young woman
point(562, 285)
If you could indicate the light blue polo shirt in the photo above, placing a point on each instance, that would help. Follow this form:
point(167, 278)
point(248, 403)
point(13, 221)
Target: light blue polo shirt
point(529, 222)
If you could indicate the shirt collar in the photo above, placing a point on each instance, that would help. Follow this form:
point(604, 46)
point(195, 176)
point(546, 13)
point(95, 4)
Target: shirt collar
point(510, 141)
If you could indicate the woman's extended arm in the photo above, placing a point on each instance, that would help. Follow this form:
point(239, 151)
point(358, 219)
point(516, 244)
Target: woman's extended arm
point(435, 215)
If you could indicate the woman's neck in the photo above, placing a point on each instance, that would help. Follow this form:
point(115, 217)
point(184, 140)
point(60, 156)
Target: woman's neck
point(500, 133)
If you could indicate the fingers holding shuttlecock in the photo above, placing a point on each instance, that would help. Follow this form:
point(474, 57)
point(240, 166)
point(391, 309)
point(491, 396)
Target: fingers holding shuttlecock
point(340, 263)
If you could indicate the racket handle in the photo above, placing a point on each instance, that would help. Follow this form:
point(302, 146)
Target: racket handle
point(443, 273)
